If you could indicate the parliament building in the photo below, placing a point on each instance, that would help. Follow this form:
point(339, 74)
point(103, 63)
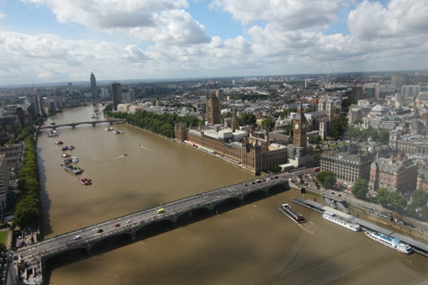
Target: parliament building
point(252, 152)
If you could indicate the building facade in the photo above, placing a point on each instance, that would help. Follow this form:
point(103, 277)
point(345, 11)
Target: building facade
point(347, 164)
point(394, 175)
point(116, 94)
point(94, 88)
point(4, 183)
point(251, 153)
point(213, 108)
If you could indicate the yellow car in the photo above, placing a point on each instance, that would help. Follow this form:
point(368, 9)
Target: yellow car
point(161, 211)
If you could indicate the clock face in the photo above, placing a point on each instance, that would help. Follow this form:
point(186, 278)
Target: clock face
point(303, 126)
point(296, 126)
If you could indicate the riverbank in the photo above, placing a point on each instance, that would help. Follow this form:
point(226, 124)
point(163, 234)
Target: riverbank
point(419, 230)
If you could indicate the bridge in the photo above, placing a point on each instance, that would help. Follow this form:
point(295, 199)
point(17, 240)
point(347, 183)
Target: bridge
point(93, 123)
point(34, 256)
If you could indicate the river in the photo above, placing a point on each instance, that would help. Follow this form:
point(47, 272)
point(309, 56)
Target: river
point(251, 244)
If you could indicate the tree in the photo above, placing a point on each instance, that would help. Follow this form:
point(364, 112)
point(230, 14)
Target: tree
point(268, 123)
point(360, 188)
point(384, 136)
point(326, 179)
point(248, 119)
point(314, 139)
point(276, 169)
point(420, 198)
point(382, 196)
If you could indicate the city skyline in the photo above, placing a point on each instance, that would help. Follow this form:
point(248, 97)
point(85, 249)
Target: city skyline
point(64, 41)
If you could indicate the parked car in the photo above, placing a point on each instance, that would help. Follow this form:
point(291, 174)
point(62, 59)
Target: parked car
point(117, 225)
point(100, 231)
point(77, 237)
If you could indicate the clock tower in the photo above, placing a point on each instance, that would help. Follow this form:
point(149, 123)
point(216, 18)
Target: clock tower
point(300, 128)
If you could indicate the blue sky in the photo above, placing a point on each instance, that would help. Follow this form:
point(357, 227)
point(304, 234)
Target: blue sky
point(66, 40)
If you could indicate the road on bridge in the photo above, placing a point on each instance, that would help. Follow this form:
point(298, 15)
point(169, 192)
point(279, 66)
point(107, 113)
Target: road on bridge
point(32, 254)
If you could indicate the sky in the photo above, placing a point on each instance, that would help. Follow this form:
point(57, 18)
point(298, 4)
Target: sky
point(65, 40)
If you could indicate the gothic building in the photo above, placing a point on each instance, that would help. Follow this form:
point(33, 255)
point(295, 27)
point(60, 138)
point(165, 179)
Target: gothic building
point(251, 153)
point(299, 153)
point(213, 108)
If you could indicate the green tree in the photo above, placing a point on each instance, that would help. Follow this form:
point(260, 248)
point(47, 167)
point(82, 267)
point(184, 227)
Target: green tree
point(419, 198)
point(314, 139)
point(276, 169)
point(248, 119)
point(360, 188)
point(382, 196)
point(326, 179)
point(424, 213)
point(268, 123)
point(384, 136)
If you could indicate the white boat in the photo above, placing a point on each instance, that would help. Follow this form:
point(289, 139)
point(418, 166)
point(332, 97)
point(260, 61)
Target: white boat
point(109, 129)
point(341, 221)
point(94, 116)
point(390, 242)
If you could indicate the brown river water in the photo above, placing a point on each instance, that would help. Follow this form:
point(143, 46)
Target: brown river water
point(251, 244)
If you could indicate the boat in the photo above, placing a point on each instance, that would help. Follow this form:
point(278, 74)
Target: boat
point(109, 129)
point(292, 214)
point(390, 242)
point(73, 169)
point(117, 132)
point(71, 147)
point(341, 221)
point(69, 160)
point(59, 142)
point(94, 116)
point(65, 155)
point(125, 154)
point(85, 181)
point(53, 133)
point(65, 148)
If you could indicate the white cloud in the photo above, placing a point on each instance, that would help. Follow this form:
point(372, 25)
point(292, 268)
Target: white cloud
point(401, 18)
point(2, 16)
point(381, 38)
point(290, 14)
point(159, 21)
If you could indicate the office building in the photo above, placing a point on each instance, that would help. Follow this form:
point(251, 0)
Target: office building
point(116, 94)
point(94, 88)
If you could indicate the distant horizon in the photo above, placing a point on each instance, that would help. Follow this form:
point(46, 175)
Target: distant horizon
point(125, 81)
point(65, 40)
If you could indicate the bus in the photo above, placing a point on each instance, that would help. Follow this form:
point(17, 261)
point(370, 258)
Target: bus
point(316, 169)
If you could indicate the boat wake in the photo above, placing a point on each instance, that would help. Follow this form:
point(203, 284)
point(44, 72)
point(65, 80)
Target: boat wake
point(140, 146)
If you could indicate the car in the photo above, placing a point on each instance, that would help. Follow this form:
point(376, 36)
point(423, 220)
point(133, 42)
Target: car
point(340, 195)
point(77, 237)
point(100, 231)
point(333, 193)
point(276, 177)
point(161, 211)
point(117, 225)
point(253, 182)
point(129, 221)
point(246, 184)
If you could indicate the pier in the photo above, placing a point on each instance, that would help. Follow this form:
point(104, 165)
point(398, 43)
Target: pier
point(419, 247)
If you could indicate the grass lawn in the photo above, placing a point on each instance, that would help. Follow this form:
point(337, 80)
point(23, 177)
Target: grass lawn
point(3, 236)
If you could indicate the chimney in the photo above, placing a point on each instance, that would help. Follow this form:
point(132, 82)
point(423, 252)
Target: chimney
point(391, 158)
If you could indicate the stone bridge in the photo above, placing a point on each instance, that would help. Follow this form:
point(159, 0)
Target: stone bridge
point(93, 123)
point(35, 255)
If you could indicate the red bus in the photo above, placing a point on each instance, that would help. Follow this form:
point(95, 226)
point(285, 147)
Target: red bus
point(316, 169)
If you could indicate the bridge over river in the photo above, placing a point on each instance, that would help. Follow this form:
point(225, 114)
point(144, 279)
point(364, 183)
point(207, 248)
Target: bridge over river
point(35, 255)
point(93, 123)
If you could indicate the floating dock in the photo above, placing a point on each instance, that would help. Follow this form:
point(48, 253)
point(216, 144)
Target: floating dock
point(418, 246)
